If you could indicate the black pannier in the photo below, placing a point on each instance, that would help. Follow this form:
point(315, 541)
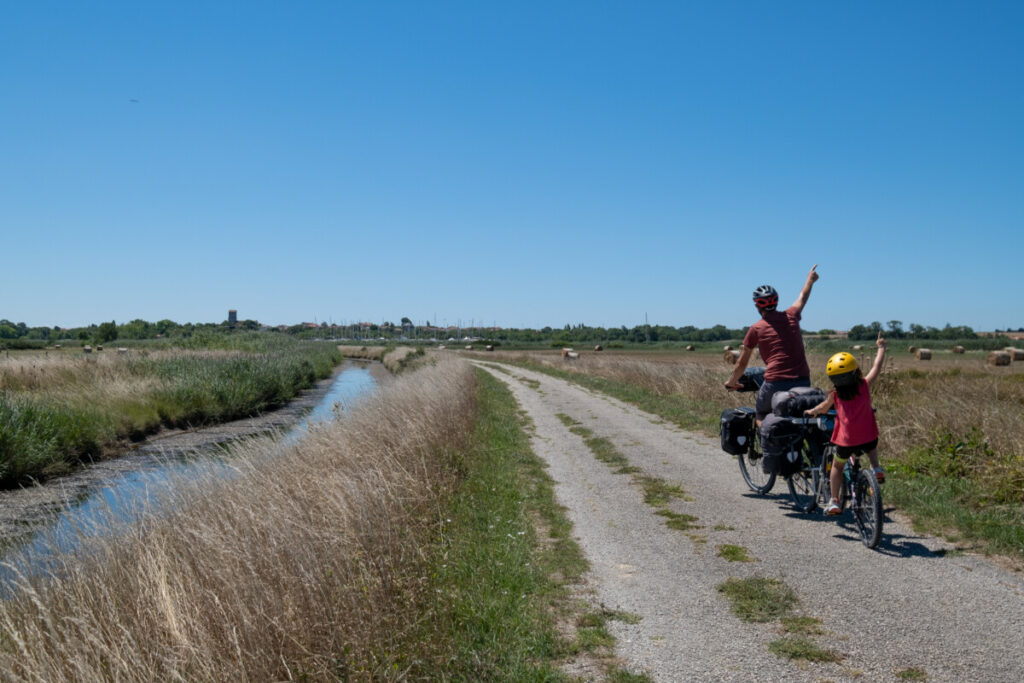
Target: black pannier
point(737, 429)
point(780, 445)
point(794, 402)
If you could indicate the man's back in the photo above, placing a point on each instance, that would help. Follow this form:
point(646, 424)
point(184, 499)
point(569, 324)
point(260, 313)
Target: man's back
point(778, 339)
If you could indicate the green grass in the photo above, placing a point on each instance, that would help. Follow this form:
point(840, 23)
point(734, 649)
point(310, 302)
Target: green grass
point(734, 553)
point(912, 673)
point(759, 599)
point(935, 504)
point(802, 625)
point(800, 648)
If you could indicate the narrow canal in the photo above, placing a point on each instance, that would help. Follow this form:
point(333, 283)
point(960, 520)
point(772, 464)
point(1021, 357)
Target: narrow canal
point(43, 522)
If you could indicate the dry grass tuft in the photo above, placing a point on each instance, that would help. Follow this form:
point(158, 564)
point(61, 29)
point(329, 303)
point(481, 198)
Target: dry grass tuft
point(305, 564)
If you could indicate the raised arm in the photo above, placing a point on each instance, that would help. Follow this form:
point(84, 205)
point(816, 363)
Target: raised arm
point(876, 367)
point(737, 370)
point(805, 293)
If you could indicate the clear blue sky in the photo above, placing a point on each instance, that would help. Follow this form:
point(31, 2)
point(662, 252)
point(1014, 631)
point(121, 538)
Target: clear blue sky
point(518, 163)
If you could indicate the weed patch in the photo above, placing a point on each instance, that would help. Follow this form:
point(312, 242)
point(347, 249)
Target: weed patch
point(758, 599)
point(800, 648)
point(734, 553)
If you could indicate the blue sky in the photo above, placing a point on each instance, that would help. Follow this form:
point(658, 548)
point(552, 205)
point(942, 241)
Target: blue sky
point(525, 164)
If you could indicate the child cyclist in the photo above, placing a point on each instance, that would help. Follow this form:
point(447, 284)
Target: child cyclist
point(856, 431)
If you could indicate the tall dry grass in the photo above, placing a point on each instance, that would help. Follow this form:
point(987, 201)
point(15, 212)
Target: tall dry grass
point(305, 564)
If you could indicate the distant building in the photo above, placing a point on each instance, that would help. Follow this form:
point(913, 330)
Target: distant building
point(232, 317)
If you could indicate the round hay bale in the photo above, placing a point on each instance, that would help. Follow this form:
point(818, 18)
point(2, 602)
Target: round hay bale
point(731, 356)
point(959, 349)
point(998, 358)
point(858, 347)
point(442, 347)
point(86, 349)
point(1015, 354)
point(689, 347)
point(923, 354)
point(912, 349)
point(490, 347)
point(469, 347)
point(599, 348)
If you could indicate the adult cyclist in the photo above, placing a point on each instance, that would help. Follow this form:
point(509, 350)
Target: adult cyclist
point(777, 337)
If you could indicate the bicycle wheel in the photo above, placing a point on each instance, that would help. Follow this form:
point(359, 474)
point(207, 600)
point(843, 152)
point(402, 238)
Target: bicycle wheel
point(867, 508)
point(750, 467)
point(803, 484)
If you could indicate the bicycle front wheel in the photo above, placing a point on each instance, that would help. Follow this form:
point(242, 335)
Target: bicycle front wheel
point(750, 467)
point(867, 508)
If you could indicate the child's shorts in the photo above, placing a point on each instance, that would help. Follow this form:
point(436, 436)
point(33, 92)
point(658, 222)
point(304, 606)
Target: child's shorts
point(846, 452)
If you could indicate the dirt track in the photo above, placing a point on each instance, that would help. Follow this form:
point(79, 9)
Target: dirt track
point(908, 604)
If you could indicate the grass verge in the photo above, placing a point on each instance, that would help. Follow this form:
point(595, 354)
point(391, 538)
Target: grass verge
point(505, 565)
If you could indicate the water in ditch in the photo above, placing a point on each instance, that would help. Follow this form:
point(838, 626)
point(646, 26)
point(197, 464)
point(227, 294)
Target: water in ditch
point(116, 491)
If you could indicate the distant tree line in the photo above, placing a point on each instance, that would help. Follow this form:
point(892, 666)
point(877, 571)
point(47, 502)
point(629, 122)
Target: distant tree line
point(894, 330)
point(19, 334)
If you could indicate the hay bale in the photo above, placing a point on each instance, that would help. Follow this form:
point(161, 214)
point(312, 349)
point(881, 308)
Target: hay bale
point(121, 350)
point(689, 347)
point(923, 354)
point(490, 347)
point(99, 348)
point(912, 349)
point(858, 347)
point(442, 347)
point(728, 347)
point(469, 347)
point(1015, 354)
point(731, 356)
point(599, 348)
point(572, 355)
point(86, 349)
point(958, 349)
point(999, 358)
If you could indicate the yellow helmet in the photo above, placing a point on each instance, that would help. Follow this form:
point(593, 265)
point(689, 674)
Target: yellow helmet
point(840, 364)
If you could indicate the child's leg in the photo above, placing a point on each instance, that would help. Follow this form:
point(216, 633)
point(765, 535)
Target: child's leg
point(836, 477)
point(873, 457)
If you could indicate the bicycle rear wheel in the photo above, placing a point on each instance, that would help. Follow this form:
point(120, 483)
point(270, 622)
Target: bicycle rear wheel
point(867, 508)
point(750, 467)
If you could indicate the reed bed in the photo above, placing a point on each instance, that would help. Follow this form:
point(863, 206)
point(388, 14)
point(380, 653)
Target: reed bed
point(308, 564)
point(57, 409)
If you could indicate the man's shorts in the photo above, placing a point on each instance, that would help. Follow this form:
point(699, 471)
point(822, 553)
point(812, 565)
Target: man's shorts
point(846, 452)
point(763, 406)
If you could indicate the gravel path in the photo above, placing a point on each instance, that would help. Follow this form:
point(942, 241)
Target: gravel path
point(957, 618)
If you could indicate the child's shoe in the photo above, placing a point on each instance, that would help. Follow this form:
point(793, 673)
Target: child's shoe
point(879, 475)
point(832, 509)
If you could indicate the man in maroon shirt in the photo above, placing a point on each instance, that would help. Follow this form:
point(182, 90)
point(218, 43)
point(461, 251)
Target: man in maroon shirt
point(778, 339)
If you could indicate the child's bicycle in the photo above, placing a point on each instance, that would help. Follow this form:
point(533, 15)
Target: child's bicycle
point(859, 487)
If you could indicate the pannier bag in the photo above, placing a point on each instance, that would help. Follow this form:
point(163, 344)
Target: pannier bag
point(736, 430)
point(751, 379)
point(780, 445)
point(794, 402)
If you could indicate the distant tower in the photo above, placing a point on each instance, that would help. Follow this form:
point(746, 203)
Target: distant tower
point(232, 317)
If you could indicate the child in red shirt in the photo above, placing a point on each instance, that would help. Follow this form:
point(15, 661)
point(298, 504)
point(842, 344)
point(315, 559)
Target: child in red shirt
point(856, 430)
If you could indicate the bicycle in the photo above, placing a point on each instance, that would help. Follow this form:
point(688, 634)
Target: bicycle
point(859, 486)
point(759, 481)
